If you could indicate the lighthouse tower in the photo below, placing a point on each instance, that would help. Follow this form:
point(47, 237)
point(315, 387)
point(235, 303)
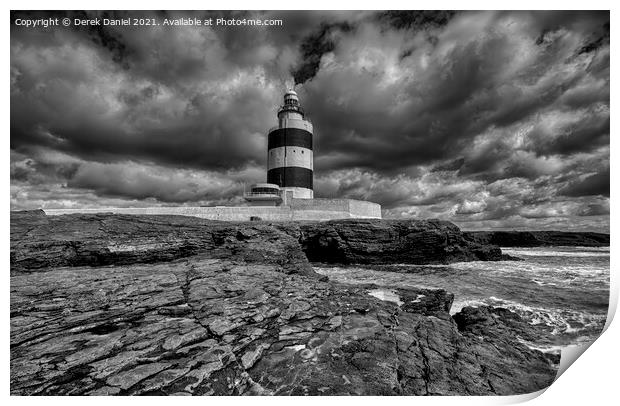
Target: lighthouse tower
point(289, 155)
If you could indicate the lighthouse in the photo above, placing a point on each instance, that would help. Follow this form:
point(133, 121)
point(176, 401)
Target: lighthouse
point(288, 193)
point(289, 151)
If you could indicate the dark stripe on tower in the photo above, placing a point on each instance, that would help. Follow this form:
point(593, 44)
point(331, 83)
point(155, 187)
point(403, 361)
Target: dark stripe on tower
point(290, 176)
point(289, 137)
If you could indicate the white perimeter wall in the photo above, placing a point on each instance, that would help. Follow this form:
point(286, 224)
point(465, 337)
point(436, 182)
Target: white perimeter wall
point(354, 208)
point(211, 213)
point(301, 209)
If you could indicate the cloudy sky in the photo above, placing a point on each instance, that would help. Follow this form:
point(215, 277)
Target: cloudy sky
point(493, 120)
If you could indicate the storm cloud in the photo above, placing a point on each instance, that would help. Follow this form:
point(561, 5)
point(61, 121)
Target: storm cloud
point(489, 119)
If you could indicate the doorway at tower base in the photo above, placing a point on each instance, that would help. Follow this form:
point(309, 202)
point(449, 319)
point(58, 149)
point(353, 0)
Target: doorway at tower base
point(295, 193)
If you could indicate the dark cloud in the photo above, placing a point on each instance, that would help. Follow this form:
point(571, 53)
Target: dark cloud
point(314, 46)
point(598, 42)
point(416, 19)
point(475, 84)
point(449, 166)
point(322, 41)
point(597, 184)
point(101, 36)
point(139, 182)
point(485, 118)
point(597, 209)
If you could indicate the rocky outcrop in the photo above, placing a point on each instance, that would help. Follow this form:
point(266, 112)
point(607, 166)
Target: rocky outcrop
point(210, 326)
point(39, 241)
point(502, 325)
point(118, 305)
point(538, 238)
point(388, 241)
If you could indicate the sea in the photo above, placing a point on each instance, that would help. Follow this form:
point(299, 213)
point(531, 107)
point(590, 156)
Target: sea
point(565, 290)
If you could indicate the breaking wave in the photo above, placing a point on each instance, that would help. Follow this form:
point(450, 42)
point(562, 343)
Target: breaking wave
point(565, 289)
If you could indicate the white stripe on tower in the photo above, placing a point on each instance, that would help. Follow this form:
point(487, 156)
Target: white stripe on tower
point(290, 156)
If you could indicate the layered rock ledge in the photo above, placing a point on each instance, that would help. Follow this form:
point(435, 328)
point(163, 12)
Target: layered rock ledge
point(39, 241)
point(126, 305)
point(538, 238)
point(388, 241)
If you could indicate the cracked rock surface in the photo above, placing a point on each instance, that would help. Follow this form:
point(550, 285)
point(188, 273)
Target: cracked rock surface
point(229, 320)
